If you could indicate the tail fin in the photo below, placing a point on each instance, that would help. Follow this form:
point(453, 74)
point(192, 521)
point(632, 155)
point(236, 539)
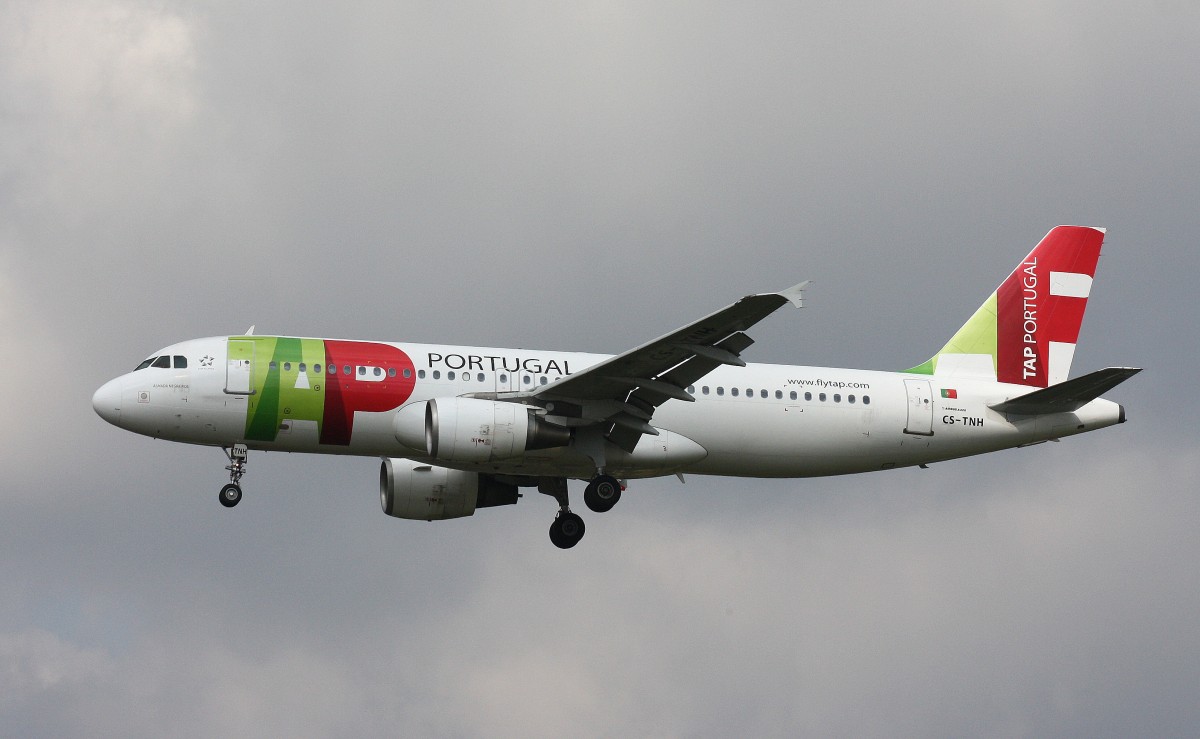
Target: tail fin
point(1025, 333)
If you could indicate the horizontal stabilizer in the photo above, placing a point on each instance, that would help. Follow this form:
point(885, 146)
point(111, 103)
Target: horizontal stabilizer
point(1068, 396)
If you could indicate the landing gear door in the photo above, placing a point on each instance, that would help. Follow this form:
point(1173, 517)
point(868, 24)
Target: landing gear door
point(239, 369)
point(920, 408)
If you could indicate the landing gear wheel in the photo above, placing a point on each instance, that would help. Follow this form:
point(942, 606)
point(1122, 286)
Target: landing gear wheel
point(567, 530)
point(230, 495)
point(602, 493)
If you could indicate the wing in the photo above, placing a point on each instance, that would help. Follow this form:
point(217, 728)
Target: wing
point(623, 392)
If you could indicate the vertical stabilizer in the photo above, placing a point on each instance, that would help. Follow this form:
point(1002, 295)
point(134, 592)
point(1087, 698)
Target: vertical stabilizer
point(1025, 332)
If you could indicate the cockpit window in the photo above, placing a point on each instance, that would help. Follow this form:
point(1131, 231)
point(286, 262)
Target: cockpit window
point(145, 364)
point(164, 362)
point(180, 362)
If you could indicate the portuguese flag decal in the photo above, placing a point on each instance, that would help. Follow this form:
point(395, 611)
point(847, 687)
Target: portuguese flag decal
point(949, 393)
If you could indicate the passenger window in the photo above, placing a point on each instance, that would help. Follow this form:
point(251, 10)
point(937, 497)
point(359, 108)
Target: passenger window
point(391, 371)
point(437, 374)
point(704, 389)
point(318, 369)
point(332, 368)
point(303, 368)
point(544, 380)
point(287, 366)
point(378, 372)
point(762, 393)
point(163, 362)
point(808, 396)
point(407, 373)
point(866, 400)
point(733, 391)
point(345, 369)
point(837, 397)
point(479, 377)
point(527, 379)
point(821, 397)
point(180, 362)
point(792, 395)
point(850, 398)
point(420, 374)
point(362, 370)
point(450, 375)
point(778, 395)
point(720, 390)
point(503, 378)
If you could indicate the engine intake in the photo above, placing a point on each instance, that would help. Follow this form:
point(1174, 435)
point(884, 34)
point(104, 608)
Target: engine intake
point(473, 430)
point(425, 492)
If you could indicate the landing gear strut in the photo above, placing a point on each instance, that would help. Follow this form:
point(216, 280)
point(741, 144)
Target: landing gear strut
point(567, 528)
point(231, 494)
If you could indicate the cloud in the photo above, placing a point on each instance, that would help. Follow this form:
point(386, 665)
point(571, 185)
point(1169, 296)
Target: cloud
point(986, 608)
point(92, 88)
point(35, 661)
point(587, 177)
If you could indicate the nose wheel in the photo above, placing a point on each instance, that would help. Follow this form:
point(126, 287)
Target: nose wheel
point(231, 494)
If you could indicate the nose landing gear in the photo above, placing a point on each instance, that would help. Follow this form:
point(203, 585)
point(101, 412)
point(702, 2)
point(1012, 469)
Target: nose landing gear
point(231, 494)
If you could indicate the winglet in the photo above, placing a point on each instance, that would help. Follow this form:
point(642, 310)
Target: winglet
point(795, 294)
point(250, 331)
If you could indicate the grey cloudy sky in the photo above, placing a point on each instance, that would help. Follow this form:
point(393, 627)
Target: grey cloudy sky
point(585, 176)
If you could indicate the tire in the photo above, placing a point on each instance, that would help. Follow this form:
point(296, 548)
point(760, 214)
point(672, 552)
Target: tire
point(230, 495)
point(567, 530)
point(602, 493)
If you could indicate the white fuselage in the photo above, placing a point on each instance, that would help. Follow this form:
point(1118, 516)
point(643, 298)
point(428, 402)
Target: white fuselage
point(761, 420)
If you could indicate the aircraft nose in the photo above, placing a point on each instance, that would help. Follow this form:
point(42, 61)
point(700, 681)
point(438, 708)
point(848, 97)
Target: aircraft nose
point(107, 401)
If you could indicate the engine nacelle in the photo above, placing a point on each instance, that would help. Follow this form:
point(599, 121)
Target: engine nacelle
point(425, 492)
point(473, 430)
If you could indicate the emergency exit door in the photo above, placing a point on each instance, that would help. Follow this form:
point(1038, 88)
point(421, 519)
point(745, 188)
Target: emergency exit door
point(239, 369)
point(920, 407)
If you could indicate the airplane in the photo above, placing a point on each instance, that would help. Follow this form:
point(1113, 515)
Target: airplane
point(459, 428)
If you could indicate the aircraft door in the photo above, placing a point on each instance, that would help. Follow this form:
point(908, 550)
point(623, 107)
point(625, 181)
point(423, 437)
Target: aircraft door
point(239, 368)
point(920, 408)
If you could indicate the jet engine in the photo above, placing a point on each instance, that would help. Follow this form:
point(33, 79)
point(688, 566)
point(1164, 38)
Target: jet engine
point(426, 492)
point(473, 430)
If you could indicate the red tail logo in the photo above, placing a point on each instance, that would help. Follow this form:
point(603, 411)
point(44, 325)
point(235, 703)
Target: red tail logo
point(1040, 307)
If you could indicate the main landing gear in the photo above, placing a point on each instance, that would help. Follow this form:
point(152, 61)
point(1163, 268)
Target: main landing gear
point(567, 529)
point(601, 494)
point(231, 494)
